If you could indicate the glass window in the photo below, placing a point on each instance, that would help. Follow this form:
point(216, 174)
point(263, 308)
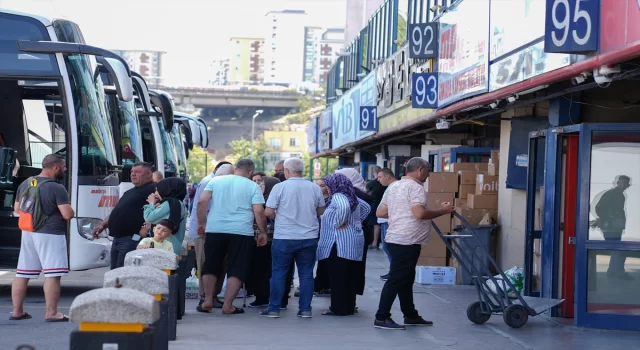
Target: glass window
point(13, 61)
point(169, 148)
point(614, 198)
point(613, 282)
point(130, 133)
point(95, 137)
point(178, 140)
point(275, 143)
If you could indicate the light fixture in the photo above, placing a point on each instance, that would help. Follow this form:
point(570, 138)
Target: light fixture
point(339, 92)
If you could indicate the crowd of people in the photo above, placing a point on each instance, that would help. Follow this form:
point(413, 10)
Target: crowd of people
point(252, 231)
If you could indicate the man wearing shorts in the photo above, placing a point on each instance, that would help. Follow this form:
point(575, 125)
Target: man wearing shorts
point(45, 250)
point(235, 201)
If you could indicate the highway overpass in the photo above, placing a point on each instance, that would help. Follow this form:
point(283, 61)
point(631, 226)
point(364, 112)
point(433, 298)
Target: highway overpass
point(221, 97)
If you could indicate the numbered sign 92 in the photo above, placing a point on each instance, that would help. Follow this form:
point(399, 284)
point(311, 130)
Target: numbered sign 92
point(424, 90)
point(572, 26)
point(423, 40)
point(368, 118)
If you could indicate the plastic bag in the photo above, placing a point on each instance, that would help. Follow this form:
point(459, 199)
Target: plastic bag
point(193, 286)
point(515, 276)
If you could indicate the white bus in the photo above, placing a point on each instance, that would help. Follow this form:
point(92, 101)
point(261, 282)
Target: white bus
point(52, 101)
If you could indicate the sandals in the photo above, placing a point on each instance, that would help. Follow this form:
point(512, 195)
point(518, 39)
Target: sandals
point(237, 311)
point(64, 318)
point(25, 316)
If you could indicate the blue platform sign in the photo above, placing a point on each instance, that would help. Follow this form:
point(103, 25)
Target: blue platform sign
point(368, 118)
point(572, 26)
point(424, 90)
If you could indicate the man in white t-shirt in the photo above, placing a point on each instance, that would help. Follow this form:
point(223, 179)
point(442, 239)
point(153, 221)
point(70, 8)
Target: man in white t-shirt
point(385, 178)
point(405, 205)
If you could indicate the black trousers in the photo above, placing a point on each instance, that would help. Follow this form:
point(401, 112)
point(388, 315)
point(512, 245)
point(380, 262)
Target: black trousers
point(362, 265)
point(342, 276)
point(402, 274)
point(321, 282)
point(260, 274)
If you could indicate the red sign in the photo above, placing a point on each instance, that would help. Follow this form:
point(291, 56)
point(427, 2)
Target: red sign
point(619, 24)
point(108, 201)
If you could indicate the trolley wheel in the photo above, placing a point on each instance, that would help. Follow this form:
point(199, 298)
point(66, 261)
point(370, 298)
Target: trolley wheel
point(515, 315)
point(475, 313)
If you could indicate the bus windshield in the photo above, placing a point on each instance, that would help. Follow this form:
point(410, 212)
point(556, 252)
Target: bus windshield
point(95, 137)
point(130, 133)
point(179, 142)
point(170, 156)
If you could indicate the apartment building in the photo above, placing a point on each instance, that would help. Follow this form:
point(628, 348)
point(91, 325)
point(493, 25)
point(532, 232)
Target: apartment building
point(147, 63)
point(246, 64)
point(284, 47)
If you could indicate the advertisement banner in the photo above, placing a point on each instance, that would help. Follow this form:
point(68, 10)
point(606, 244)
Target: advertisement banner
point(463, 63)
point(368, 97)
point(514, 24)
point(392, 79)
point(326, 120)
point(345, 117)
point(312, 132)
point(525, 64)
point(324, 142)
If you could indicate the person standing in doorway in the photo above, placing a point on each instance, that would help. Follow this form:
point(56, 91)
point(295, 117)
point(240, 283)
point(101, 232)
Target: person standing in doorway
point(375, 190)
point(44, 249)
point(405, 205)
point(294, 205)
point(126, 223)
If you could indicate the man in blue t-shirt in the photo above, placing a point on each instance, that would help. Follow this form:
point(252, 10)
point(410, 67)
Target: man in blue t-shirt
point(235, 201)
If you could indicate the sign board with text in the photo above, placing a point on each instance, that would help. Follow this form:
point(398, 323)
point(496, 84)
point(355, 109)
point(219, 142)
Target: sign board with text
point(424, 90)
point(424, 40)
point(326, 120)
point(525, 64)
point(514, 24)
point(620, 26)
point(345, 115)
point(463, 63)
point(572, 26)
point(324, 142)
point(393, 82)
point(368, 97)
point(368, 118)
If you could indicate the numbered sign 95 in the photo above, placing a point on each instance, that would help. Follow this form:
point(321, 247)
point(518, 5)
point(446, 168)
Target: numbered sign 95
point(572, 26)
point(424, 90)
point(423, 40)
point(368, 118)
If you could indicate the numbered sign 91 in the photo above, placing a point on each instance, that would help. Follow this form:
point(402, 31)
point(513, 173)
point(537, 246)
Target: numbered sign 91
point(424, 90)
point(368, 118)
point(572, 26)
point(423, 40)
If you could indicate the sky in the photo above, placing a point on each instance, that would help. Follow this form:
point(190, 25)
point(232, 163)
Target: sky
point(192, 32)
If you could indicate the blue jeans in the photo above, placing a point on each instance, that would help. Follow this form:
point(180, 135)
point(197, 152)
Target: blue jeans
point(283, 253)
point(383, 234)
point(120, 246)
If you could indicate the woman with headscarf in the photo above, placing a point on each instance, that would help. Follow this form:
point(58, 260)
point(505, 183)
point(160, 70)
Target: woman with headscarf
point(367, 225)
point(260, 270)
point(166, 203)
point(341, 242)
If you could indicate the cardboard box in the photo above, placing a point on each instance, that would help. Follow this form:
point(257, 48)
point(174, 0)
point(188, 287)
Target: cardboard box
point(456, 167)
point(495, 157)
point(436, 275)
point(494, 169)
point(482, 201)
point(474, 216)
point(454, 263)
point(469, 177)
point(486, 184)
point(460, 202)
point(464, 190)
point(435, 248)
point(441, 182)
point(428, 261)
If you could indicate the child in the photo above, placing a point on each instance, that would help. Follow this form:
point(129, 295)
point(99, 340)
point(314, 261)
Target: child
point(161, 231)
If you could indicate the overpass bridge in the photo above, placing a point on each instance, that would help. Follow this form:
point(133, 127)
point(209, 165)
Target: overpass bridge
point(233, 97)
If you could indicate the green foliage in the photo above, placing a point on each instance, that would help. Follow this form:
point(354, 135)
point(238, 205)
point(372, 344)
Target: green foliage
point(327, 167)
point(305, 103)
point(199, 164)
point(402, 28)
point(242, 149)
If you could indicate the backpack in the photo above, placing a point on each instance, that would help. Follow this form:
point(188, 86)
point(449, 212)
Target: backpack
point(31, 215)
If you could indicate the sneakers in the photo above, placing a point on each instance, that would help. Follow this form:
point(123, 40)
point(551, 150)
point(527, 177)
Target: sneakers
point(384, 277)
point(304, 314)
point(255, 304)
point(269, 314)
point(418, 322)
point(388, 324)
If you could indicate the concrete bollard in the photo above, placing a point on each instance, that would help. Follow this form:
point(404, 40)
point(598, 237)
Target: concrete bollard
point(183, 273)
point(167, 262)
point(148, 280)
point(116, 317)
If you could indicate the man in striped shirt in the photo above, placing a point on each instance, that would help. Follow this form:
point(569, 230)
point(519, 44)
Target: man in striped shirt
point(405, 205)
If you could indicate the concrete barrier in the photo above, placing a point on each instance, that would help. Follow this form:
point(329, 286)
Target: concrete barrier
point(114, 316)
point(149, 280)
point(167, 262)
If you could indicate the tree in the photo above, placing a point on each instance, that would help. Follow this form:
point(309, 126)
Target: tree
point(242, 150)
point(199, 164)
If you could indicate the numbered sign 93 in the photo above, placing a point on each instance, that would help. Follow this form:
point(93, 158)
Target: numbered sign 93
point(424, 90)
point(368, 118)
point(572, 26)
point(423, 40)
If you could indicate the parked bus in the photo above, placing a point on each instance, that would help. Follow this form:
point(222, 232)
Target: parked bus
point(53, 101)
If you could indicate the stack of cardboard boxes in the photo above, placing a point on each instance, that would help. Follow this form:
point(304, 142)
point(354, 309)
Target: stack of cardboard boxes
point(441, 188)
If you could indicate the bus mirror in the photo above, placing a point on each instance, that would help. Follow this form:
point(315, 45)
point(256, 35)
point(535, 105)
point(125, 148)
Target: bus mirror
point(165, 105)
point(120, 76)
